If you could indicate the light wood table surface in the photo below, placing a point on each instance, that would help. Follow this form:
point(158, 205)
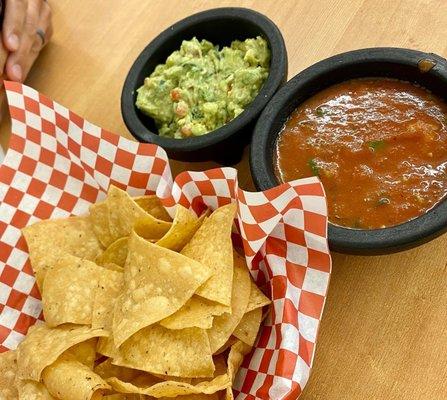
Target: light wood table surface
point(384, 329)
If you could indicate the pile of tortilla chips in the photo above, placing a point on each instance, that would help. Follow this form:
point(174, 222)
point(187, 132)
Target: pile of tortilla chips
point(136, 305)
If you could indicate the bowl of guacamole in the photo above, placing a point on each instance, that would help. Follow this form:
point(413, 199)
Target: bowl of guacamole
point(201, 87)
point(198, 88)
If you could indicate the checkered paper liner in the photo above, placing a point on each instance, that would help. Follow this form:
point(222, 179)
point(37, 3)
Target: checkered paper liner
point(58, 164)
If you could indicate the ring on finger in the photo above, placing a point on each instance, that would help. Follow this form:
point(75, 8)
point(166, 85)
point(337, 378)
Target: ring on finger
point(40, 32)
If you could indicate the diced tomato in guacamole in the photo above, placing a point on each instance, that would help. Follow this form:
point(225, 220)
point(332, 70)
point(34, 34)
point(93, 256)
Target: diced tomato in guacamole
point(200, 88)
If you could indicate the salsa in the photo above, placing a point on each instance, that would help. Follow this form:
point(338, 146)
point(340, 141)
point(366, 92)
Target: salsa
point(378, 145)
point(200, 88)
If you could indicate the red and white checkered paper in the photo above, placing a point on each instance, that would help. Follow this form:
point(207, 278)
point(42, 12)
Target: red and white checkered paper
point(58, 164)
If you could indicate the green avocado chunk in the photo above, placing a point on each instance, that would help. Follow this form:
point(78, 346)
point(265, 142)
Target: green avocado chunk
point(200, 88)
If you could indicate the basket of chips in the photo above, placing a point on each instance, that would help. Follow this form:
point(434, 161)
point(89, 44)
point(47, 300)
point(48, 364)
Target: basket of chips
point(119, 281)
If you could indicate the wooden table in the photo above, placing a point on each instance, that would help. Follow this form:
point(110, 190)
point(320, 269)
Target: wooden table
point(384, 329)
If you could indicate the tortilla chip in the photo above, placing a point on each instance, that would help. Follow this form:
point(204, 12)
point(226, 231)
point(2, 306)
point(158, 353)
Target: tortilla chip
point(145, 380)
point(152, 205)
point(182, 230)
point(220, 365)
point(211, 245)
point(257, 297)
point(43, 345)
point(121, 396)
point(116, 253)
point(99, 217)
point(158, 282)
point(84, 352)
point(247, 330)
point(151, 386)
point(113, 267)
point(171, 388)
point(107, 370)
point(106, 347)
point(31, 390)
point(232, 340)
point(237, 353)
point(224, 325)
point(69, 379)
point(8, 370)
point(197, 312)
point(68, 291)
point(125, 215)
point(214, 396)
point(141, 381)
point(106, 293)
point(48, 240)
point(183, 352)
point(150, 228)
point(110, 285)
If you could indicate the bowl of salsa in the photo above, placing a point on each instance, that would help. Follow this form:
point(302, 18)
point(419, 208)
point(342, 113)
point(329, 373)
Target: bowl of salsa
point(372, 126)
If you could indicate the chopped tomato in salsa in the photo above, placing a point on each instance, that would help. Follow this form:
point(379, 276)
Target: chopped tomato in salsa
point(378, 145)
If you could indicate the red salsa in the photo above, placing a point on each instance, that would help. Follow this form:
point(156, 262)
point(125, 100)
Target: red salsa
point(378, 145)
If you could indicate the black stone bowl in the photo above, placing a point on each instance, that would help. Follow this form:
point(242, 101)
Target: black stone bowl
point(220, 26)
point(426, 69)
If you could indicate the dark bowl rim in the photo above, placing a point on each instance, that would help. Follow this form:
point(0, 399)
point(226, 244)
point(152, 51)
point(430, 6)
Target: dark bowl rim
point(345, 240)
point(277, 75)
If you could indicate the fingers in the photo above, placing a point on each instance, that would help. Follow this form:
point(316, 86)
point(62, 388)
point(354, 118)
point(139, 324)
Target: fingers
point(45, 21)
point(32, 16)
point(3, 56)
point(20, 62)
point(14, 20)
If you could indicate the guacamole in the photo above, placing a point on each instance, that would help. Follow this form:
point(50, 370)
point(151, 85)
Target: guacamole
point(200, 88)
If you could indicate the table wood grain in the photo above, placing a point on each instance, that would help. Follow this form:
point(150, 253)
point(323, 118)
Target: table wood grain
point(384, 329)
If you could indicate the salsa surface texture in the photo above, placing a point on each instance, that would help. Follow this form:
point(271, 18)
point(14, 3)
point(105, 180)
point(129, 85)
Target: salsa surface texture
point(378, 145)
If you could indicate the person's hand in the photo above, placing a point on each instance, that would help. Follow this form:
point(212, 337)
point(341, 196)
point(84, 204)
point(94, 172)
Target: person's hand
point(26, 29)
